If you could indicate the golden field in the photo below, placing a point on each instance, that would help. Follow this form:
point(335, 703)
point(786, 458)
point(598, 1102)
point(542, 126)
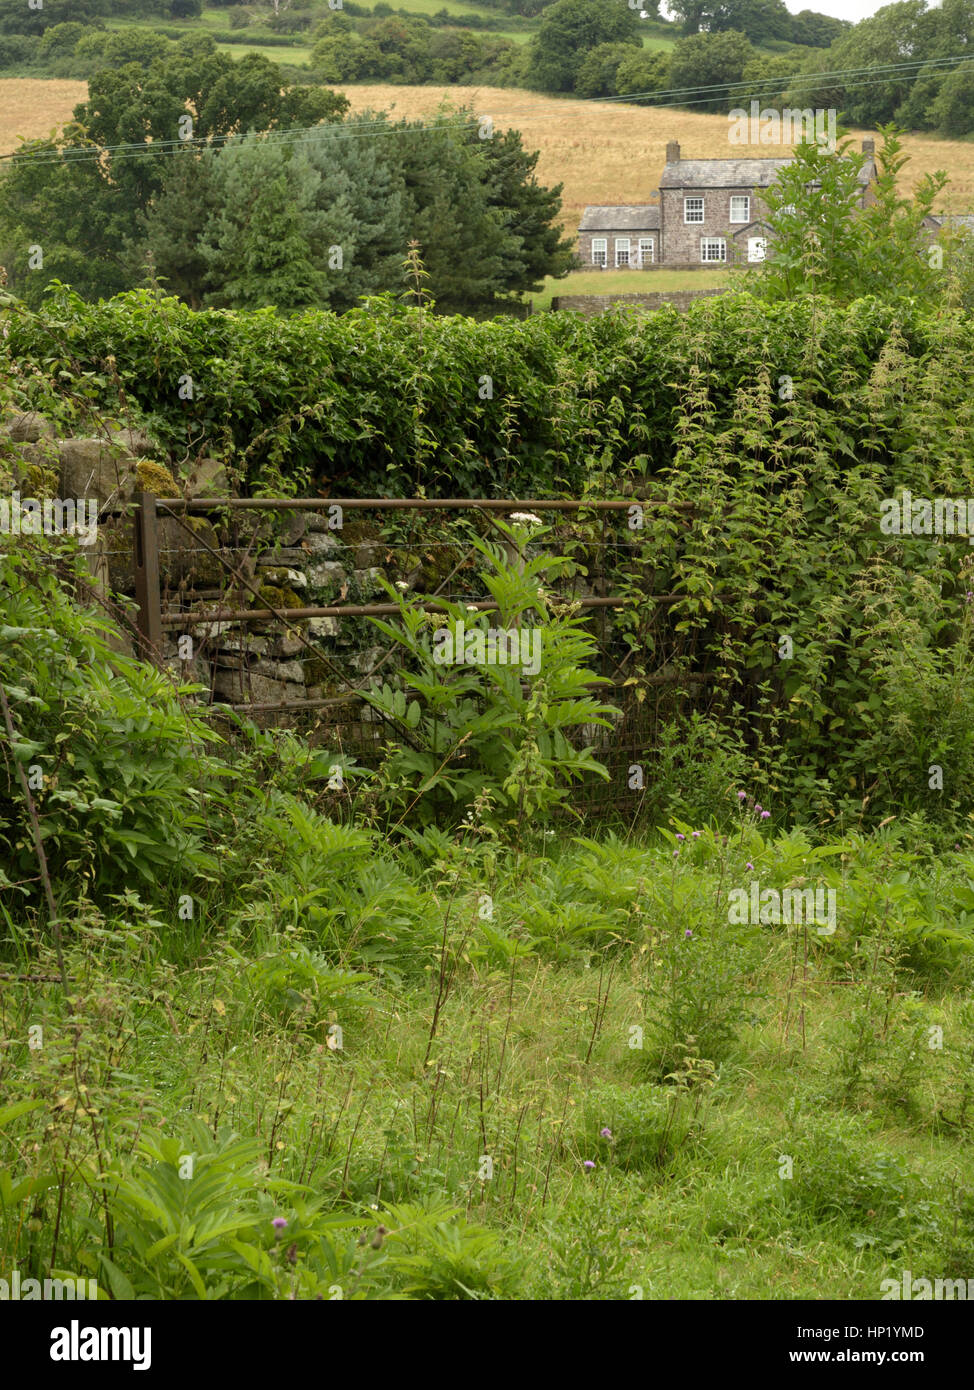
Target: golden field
point(608, 153)
point(32, 107)
point(601, 152)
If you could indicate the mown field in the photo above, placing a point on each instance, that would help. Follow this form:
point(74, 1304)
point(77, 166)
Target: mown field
point(602, 152)
point(612, 153)
point(298, 54)
point(30, 107)
point(628, 282)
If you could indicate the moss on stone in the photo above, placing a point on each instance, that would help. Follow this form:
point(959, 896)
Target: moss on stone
point(155, 478)
point(318, 672)
point(39, 481)
point(277, 596)
point(355, 532)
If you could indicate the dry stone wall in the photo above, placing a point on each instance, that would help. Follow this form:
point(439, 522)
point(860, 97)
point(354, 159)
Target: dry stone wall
point(238, 560)
point(590, 304)
point(296, 560)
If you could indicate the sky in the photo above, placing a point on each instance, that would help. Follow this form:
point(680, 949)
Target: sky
point(853, 10)
point(839, 9)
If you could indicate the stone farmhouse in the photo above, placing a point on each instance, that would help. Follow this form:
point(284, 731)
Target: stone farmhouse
point(709, 212)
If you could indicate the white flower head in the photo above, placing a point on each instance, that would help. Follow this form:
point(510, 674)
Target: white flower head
point(472, 608)
point(402, 585)
point(527, 518)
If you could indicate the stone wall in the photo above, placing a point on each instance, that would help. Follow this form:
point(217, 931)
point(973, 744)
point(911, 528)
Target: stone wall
point(590, 304)
point(292, 559)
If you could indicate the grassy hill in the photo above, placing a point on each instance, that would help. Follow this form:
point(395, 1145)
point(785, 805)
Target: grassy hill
point(614, 153)
point(217, 23)
point(601, 152)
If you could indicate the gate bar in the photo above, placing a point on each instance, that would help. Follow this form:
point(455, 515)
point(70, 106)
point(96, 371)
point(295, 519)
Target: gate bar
point(498, 504)
point(369, 610)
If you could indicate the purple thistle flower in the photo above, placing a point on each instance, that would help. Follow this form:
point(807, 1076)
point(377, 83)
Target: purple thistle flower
point(757, 806)
point(681, 837)
point(696, 834)
point(606, 1133)
point(741, 796)
point(588, 1164)
point(765, 815)
point(688, 932)
point(750, 866)
point(279, 1223)
point(676, 854)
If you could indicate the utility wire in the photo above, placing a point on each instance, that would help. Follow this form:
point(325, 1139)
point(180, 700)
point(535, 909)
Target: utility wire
point(338, 131)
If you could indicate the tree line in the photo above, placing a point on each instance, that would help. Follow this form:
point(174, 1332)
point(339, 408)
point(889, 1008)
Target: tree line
point(259, 194)
point(596, 51)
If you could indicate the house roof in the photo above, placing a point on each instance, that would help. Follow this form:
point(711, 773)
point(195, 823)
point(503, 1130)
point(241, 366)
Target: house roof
point(615, 217)
point(963, 220)
point(734, 173)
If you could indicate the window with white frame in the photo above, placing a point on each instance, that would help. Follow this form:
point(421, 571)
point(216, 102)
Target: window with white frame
point(713, 248)
point(622, 250)
point(600, 250)
point(693, 209)
point(740, 208)
point(647, 252)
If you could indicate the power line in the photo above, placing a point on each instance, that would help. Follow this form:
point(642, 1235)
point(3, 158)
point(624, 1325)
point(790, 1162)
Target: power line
point(365, 129)
point(803, 78)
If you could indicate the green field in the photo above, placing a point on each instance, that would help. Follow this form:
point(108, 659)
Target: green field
point(431, 7)
point(628, 282)
point(659, 41)
point(217, 22)
point(295, 54)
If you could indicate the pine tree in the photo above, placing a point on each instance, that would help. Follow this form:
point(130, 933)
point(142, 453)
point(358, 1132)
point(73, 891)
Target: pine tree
point(257, 249)
point(466, 243)
point(361, 202)
point(176, 221)
point(531, 211)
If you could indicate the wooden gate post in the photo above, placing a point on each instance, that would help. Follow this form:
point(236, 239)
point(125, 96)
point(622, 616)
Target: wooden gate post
point(147, 593)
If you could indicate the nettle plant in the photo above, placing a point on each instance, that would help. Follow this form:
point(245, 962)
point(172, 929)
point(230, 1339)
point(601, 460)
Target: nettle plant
point(486, 700)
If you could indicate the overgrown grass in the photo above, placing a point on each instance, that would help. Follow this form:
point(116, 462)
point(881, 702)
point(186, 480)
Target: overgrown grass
point(628, 282)
point(279, 1044)
point(560, 1100)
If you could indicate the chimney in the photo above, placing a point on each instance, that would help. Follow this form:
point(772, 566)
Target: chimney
point(869, 146)
point(673, 152)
